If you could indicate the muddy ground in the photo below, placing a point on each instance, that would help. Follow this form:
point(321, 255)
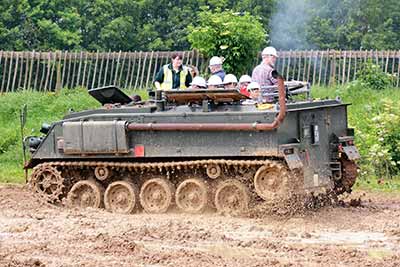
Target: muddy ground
point(34, 234)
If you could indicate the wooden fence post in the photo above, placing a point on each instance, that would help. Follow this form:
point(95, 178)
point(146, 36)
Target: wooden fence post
point(138, 71)
point(84, 70)
point(133, 70)
point(116, 68)
point(143, 69)
point(106, 69)
point(58, 72)
point(149, 69)
point(79, 69)
point(15, 71)
point(9, 71)
point(122, 69)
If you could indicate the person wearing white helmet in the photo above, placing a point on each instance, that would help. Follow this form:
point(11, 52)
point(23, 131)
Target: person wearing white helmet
point(254, 91)
point(198, 83)
point(244, 81)
point(214, 82)
point(230, 81)
point(263, 72)
point(216, 67)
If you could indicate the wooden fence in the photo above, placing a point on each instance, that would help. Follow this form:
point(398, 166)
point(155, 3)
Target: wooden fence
point(49, 71)
point(334, 67)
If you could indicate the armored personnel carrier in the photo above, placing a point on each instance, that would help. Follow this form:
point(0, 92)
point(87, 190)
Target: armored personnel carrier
point(193, 150)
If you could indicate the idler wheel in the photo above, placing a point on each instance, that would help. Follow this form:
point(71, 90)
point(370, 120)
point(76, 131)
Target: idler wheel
point(101, 173)
point(156, 195)
point(85, 194)
point(121, 197)
point(231, 197)
point(191, 196)
point(47, 182)
point(213, 171)
point(270, 182)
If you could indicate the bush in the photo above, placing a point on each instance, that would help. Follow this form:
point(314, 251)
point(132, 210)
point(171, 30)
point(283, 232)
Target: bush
point(237, 38)
point(372, 76)
point(381, 140)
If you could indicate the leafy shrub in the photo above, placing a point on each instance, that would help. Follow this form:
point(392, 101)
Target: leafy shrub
point(371, 75)
point(237, 38)
point(380, 139)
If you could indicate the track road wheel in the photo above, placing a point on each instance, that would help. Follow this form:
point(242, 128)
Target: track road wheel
point(156, 195)
point(47, 182)
point(121, 197)
point(231, 197)
point(85, 194)
point(101, 173)
point(191, 196)
point(213, 171)
point(270, 182)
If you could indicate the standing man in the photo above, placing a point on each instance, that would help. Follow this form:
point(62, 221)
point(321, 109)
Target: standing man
point(262, 74)
point(216, 67)
point(173, 75)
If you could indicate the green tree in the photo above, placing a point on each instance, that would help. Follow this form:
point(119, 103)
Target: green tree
point(236, 37)
point(354, 24)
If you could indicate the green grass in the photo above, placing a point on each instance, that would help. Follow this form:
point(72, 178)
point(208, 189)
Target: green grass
point(42, 107)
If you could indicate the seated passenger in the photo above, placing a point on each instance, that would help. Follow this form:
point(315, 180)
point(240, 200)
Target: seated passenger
point(244, 81)
point(198, 83)
point(254, 91)
point(214, 82)
point(230, 81)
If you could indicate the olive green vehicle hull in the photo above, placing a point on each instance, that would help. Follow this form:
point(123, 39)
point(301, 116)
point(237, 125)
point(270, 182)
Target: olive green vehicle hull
point(313, 146)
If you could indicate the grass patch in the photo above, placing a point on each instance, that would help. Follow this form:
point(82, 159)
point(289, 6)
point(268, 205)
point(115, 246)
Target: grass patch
point(42, 107)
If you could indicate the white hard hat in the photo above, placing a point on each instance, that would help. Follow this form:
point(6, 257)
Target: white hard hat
point(214, 80)
point(253, 85)
point(230, 78)
point(199, 81)
point(270, 51)
point(215, 61)
point(245, 79)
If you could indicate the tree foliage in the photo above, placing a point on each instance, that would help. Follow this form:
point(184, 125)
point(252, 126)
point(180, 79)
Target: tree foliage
point(163, 25)
point(235, 37)
point(108, 25)
point(354, 24)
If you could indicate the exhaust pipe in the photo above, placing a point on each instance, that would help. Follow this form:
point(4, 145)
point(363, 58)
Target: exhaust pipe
point(133, 126)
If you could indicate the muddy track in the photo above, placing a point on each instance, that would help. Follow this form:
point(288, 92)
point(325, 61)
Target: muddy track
point(37, 234)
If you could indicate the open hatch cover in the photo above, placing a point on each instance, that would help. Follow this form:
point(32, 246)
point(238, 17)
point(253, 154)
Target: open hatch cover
point(110, 95)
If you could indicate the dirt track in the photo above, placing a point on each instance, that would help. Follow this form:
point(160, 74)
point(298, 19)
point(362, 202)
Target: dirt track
point(33, 234)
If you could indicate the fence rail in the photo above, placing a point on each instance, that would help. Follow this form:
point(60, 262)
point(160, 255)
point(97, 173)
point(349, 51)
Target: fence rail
point(49, 71)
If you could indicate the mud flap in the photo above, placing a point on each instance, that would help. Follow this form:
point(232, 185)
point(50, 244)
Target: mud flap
point(351, 152)
point(293, 161)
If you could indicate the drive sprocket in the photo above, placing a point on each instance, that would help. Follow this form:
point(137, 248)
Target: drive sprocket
point(47, 183)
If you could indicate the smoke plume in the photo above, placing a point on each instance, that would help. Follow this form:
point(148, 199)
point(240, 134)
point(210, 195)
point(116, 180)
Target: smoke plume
point(287, 25)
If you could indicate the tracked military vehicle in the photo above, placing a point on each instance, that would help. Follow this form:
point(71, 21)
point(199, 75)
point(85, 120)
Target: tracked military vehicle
point(193, 150)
